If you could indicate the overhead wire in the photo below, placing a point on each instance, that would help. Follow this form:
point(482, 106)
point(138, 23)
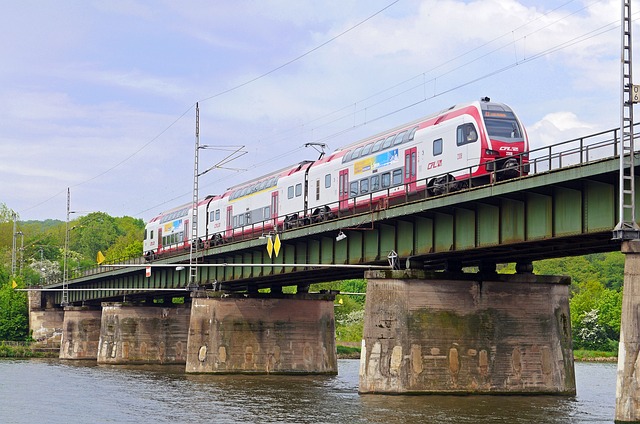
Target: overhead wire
point(575, 40)
point(212, 97)
point(353, 105)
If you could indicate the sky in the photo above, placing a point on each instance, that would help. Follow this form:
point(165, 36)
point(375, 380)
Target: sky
point(99, 97)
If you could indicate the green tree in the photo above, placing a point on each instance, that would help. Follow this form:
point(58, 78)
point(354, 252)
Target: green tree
point(591, 335)
point(129, 242)
point(588, 326)
point(92, 233)
point(14, 315)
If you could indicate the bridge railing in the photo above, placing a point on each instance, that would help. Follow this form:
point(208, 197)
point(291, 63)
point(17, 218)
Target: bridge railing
point(578, 151)
point(574, 152)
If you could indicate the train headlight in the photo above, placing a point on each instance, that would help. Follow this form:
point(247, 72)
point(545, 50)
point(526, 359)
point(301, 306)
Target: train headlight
point(489, 152)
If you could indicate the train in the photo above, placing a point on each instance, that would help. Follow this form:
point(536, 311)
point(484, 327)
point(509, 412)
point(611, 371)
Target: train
point(465, 145)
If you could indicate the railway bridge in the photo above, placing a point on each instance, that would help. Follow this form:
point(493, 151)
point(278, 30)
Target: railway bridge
point(438, 317)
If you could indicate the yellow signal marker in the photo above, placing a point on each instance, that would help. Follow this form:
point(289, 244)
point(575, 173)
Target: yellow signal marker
point(276, 245)
point(270, 246)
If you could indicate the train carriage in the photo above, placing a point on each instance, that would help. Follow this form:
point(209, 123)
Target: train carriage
point(465, 145)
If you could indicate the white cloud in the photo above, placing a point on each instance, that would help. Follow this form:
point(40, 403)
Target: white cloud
point(555, 127)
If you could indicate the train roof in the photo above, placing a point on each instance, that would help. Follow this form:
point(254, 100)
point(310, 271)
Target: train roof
point(484, 103)
point(288, 170)
point(183, 207)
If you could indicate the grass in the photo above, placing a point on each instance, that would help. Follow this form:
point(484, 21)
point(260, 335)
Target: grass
point(346, 352)
point(594, 355)
point(24, 350)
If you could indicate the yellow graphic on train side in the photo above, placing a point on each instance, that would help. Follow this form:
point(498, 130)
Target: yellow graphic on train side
point(363, 165)
point(375, 162)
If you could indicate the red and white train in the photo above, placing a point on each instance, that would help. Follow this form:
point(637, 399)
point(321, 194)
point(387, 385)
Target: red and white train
point(473, 143)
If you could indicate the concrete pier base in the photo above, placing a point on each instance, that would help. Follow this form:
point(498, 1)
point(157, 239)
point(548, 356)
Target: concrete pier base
point(628, 383)
point(439, 334)
point(80, 333)
point(149, 334)
point(45, 321)
point(262, 334)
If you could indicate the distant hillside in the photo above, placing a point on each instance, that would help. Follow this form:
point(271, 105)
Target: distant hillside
point(41, 226)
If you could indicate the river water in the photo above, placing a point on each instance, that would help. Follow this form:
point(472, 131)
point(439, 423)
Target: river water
point(54, 391)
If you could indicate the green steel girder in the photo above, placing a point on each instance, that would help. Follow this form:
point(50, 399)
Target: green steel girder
point(558, 213)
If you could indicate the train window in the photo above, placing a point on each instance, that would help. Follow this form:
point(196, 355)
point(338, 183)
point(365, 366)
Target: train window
point(466, 133)
point(437, 147)
point(151, 238)
point(364, 186)
point(235, 221)
point(240, 220)
point(298, 189)
point(353, 189)
point(366, 149)
point(400, 138)
point(266, 212)
point(217, 214)
point(356, 153)
point(290, 192)
point(412, 134)
point(375, 182)
point(388, 141)
point(386, 180)
point(347, 157)
point(397, 176)
point(248, 218)
point(407, 169)
point(327, 181)
point(506, 129)
point(413, 163)
point(212, 216)
point(377, 146)
point(145, 233)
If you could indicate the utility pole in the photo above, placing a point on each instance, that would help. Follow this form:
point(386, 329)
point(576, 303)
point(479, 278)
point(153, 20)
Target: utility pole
point(627, 228)
point(193, 271)
point(235, 153)
point(65, 281)
point(13, 248)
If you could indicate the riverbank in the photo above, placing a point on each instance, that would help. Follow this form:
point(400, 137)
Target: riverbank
point(594, 356)
point(26, 350)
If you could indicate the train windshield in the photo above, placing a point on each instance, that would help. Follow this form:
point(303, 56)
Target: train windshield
point(503, 126)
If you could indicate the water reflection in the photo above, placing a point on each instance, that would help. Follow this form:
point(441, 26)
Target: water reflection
point(67, 392)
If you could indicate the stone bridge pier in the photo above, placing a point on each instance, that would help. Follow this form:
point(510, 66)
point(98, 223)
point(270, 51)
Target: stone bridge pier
point(270, 333)
point(439, 333)
point(143, 333)
point(628, 380)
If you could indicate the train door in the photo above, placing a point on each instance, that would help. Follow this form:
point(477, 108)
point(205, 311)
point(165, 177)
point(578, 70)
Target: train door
point(343, 189)
point(186, 236)
point(229, 228)
point(274, 209)
point(159, 239)
point(410, 169)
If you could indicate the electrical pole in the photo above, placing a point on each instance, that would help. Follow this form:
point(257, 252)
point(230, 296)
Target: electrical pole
point(13, 248)
point(65, 281)
point(193, 271)
point(627, 228)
